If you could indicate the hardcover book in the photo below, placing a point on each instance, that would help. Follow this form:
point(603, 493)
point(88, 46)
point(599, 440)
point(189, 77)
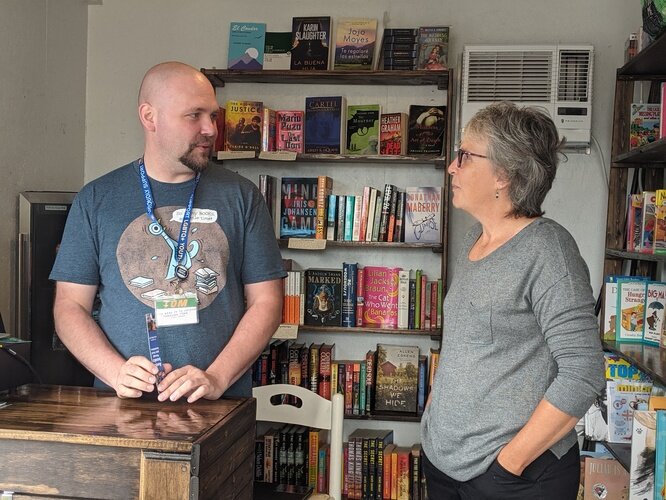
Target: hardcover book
point(427, 127)
point(392, 133)
point(362, 129)
point(310, 43)
point(380, 309)
point(243, 126)
point(605, 478)
point(644, 127)
point(277, 50)
point(630, 310)
point(648, 222)
point(289, 131)
point(659, 244)
point(655, 303)
point(355, 43)
point(433, 47)
point(634, 221)
point(397, 378)
point(349, 292)
point(423, 215)
point(323, 301)
point(324, 124)
point(246, 46)
point(298, 208)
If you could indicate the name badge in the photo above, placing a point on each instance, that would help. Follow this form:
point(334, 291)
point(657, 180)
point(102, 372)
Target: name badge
point(179, 309)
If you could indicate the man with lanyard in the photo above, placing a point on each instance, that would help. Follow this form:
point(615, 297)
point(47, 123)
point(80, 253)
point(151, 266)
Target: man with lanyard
point(198, 287)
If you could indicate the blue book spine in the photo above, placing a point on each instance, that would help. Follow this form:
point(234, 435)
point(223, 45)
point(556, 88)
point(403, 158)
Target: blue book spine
point(421, 395)
point(660, 457)
point(331, 217)
point(349, 272)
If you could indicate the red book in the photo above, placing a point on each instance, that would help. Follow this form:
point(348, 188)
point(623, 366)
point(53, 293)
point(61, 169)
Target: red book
point(403, 472)
point(289, 131)
point(380, 309)
point(325, 357)
point(392, 133)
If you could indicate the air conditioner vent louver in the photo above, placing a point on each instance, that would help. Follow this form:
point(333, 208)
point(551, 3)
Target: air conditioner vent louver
point(574, 75)
point(511, 76)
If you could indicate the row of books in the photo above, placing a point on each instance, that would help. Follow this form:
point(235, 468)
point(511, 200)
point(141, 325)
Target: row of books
point(373, 466)
point(646, 222)
point(368, 385)
point(634, 310)
point(309, 209)
point(648, 121)
point(407, 49)
point(310, 46)
point(328, 125)
point(370, 296)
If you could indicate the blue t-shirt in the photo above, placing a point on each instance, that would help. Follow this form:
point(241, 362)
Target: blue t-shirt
point(109, 241)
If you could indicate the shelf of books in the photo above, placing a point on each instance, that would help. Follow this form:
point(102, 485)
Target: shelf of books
point(650, 359)
point(288, 156)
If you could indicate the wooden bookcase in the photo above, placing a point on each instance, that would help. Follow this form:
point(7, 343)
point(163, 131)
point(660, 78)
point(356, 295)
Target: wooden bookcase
point(421, 87)
point(650, 162)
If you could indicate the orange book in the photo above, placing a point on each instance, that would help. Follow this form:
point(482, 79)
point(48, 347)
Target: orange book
point(394, 473)
point(388, 464)
point(324, 188)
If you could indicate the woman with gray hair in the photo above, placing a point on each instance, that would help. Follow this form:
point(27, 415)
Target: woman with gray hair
point(521, 359)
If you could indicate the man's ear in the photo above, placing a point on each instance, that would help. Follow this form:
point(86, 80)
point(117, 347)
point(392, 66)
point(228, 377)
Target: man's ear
point(147, 116)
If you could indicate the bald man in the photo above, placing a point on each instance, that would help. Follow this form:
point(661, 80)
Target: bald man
point(182, 253)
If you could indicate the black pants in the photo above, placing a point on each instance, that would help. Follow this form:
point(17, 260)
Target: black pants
point(547, 478)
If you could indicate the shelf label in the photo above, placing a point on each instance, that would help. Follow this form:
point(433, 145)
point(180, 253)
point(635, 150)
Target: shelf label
point(306, 244)
point(235, 155)
point(278, 155)
point(286, 331)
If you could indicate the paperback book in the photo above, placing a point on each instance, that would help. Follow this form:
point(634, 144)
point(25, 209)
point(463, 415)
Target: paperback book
point(324, 124)
point(246, 46)
point(380, 309)
point(644, 125)
point(310, 43)
point(355, 43)
point(423, 215)
point(362, 129)
point(433, 47)
point(397, 378)
point(392, 133)
point(323, 301)
point(298, 207)
point(289, 131)
point(427, 127)
point(277, 50)
point(243, 126)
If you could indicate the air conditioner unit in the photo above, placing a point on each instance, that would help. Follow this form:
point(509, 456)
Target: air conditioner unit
point(555, 77)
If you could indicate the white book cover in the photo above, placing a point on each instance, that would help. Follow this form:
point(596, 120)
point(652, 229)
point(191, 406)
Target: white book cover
point(371, 214)
point(423, 214)
point(356, 228)
point(630, 310)
point(641, 474)
point(610, 307)
point(655, 302)
point(403, 299)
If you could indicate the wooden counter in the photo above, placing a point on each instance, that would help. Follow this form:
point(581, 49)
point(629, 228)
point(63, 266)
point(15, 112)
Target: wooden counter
point(80, 442)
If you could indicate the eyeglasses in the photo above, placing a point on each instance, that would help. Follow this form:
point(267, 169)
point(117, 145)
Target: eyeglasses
point(463, 153)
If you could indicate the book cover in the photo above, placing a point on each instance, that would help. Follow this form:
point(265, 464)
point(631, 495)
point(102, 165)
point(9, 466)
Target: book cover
point(423, 215)
point(324, 124)
point(644, 124)
point(623, 397)
point(630, 310)
point(659, 244)
point(298, 207)
point(277, 50)
point(362, 129)
point(355, 43)
point(310, 43)
point(641, 473)
point(323, 297)
point(648, 221)
point(246, 46)
point(289, 131)
point(380, 297)
point(605, 478)
point(243, 126)
point(655, 302)
point(609, 313)
point(433, 47)
point(426, 129)
point(634, 221)
point(397, 378)
point(392, 133)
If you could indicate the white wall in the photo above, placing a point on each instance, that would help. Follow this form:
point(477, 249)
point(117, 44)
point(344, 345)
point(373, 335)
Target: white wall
point(126, 37)
point(42, 117)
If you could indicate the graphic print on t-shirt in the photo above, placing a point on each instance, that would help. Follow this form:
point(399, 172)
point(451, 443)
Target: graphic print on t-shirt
point(147, 255)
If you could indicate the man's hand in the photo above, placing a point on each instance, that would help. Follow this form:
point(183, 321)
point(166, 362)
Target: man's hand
point(136, 376)
point(191, 382)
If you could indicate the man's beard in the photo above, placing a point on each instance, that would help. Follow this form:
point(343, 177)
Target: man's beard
point(195, 163)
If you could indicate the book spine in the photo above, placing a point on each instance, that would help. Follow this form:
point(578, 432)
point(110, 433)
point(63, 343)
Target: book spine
point(356, 383)
point(313, 457)
point(269, 444)
point(358, 208)
point(385, 212)
point(325, 359)
point(349, 388)
point(349, 294)
point(362, 379)
point(371, 214)
point(268, 130)
point(364, 213)
point(440, 291)
point(411, 317)
point(331, 219)
point(314, 367)
point(301, 474)
point(369, 380)
point(324, 186)
point(378, 215)
point(342, 199)
point(423, 383)
point(360, 295)
point(259, 459)
point(424, 303)
point(349, 217)
point(392, 211)
point(403, 299)
point(398, 233)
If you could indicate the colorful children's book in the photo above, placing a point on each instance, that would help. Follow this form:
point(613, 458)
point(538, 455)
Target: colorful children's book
point(246, 46)
point(355, 43)
point(298, 212)
point(277, 50)
point(423, 215)
point(644, 127)
point(648, 222)
point(393, 133)
point(634, 221)
point(624, 396)
point(630, 310)
point(659, 244)
point(362, 129)
point(310, 45)
point(427, 127)
point(397, 378)
point(243, 126)
point(380, 308)
point(433, 47)
point(655, 303)
point(324, 124)
point(289, 131)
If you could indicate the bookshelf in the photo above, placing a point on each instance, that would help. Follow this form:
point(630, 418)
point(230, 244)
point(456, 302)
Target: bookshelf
point(395, 90)
point(650, 162)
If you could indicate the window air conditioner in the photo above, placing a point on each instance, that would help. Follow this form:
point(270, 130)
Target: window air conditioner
point(555, 77)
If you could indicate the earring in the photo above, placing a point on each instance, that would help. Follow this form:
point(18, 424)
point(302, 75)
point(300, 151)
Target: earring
point(497, 194)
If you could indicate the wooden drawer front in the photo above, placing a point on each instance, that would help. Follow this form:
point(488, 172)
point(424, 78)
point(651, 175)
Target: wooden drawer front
point(69, 470)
